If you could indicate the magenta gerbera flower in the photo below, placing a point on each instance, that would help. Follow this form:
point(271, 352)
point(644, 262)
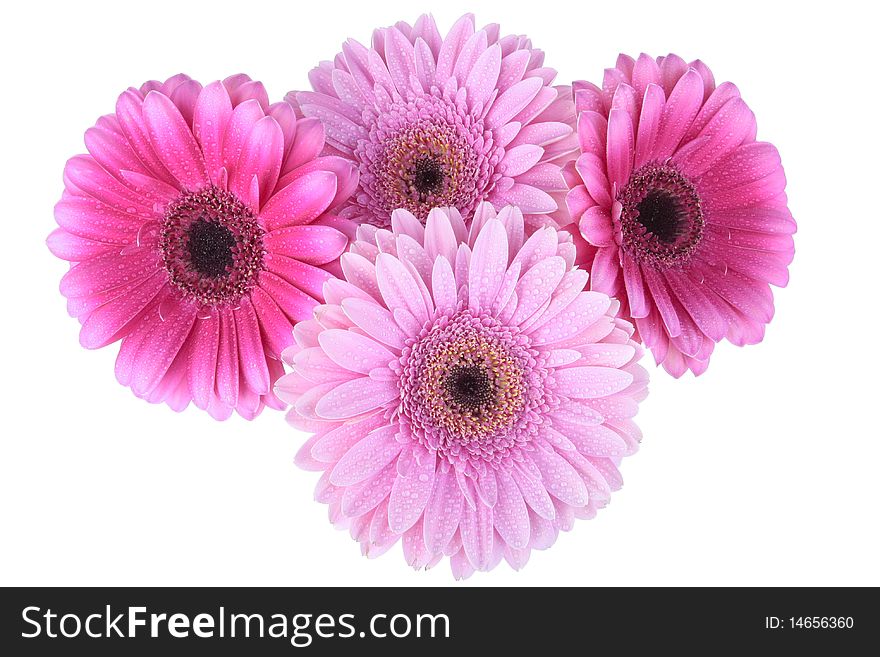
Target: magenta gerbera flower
point(685, 213)
point(445, 122)
point(198, 233)
point(466, 394)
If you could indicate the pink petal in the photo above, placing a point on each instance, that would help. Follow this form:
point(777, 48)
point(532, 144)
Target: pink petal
point(261, 158)
point(477, 535)
point(366, 458)
point(312, 244)
point(161, 346)
point(599, 441)
point(253, 366)
point(510, 515)
point(440, 238)
point(398, 287)
point(452, 45)
point(592, 130)
point(635, 288)
point(366, 496)
point(112, 151)
point(339, 130)
point(542, 134)
point(589, 382)
point(662, 300)
point(301, 201)
point(313, 364)
point(307, 144)
point(483, 77)
point(649, 124)
point(212, 112)
point(717, 99)
point(84, 174)
point(534, 493)
point(512, 101)
point(238, 127)
point(592, 172)
point(73, 248)
point(307, 278)
point(442, 512)
point(672, 68)
point(296, 305)
point(129, 112)
point(227, 379)
point(560, 478)
point(334, 444)
point(488, 265)
point(520, 159)
point(410, 494)
point(105, 324)
point(700, 306)
point(353, 351)
point(355, 397)
point(729, 128)
point(604, 271)
point(528, 199)
point(534, 289)
point(596, 227)
point(645, 73)
point(108, 271)
point(375, 321)
point(586, 309)
point(275, 327)
point(680, 110)
point(173, 142)
point(202, 360)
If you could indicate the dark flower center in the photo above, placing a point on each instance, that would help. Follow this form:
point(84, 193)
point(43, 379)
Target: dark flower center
point(423, 154)
point(469, 386)
point(659, 214)
point(210, 248)
point(211, 245)
point(427, 177)
point(661, 219)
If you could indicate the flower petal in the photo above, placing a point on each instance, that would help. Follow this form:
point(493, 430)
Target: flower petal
point(366, 458)
point(173, 142)
point(356, 397)
point(410, 494)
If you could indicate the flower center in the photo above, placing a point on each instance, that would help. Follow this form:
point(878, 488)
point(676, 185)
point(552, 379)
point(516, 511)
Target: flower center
point(472, 389)
point(421, 154)
point(661, 218)
point(211, 246)
point(427, 176)
point(469, 386)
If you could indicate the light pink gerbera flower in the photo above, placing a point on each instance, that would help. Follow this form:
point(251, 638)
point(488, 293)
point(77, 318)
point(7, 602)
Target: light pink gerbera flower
point(445, 122)
point(198, 233)
point(685, 213)
point(467, 395)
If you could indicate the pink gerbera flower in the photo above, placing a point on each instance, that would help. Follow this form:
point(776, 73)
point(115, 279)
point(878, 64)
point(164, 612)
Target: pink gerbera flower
point(467, 395)
point(685, 213)
point(198, 233)
point(445, 122)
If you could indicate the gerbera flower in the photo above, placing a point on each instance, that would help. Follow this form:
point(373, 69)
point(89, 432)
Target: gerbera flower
point(466, 394)
point(198, 233)
point(445, 122)
point(685, 213)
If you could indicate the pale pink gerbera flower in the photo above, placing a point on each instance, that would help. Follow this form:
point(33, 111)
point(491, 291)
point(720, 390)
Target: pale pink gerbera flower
point(198, 233)
point(685, 213)
point(467, 395)
point(445, 122)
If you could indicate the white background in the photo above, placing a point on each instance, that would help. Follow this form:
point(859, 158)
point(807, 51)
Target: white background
point(763, 471)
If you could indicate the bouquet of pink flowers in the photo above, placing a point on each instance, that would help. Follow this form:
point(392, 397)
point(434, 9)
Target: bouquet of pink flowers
point(459, 262)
